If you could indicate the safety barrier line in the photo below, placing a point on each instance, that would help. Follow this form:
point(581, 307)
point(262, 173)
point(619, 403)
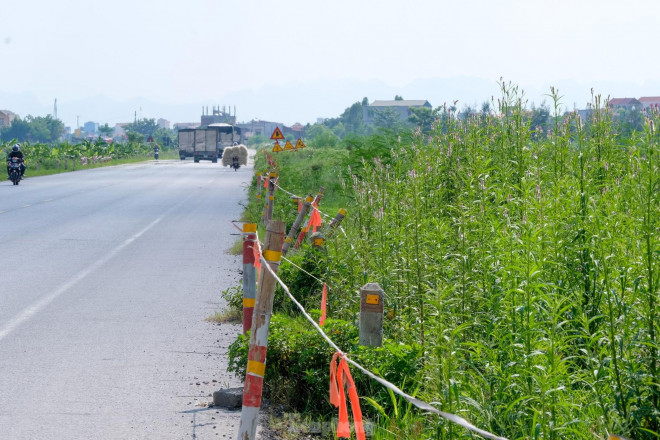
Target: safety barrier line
point(418, 403)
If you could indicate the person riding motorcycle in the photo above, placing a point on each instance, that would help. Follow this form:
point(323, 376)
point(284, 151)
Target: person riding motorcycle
point(16, 152)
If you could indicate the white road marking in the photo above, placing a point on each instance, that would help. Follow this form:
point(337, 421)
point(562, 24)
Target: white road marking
point(29, 312)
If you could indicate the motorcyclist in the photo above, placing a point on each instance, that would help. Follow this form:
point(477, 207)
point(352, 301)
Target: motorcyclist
point(16, 152)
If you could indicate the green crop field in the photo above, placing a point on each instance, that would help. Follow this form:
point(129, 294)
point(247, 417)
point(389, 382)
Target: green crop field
point(523, 262)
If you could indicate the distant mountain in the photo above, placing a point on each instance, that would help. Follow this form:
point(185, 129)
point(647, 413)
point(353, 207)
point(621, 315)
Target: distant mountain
point(306, 101)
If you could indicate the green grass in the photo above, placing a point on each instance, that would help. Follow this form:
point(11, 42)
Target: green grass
point(525, 263)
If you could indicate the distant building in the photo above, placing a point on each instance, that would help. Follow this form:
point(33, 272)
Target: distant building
point(258, 127)
point(401, 107)
point(650, 101)
point(218, 116)
point(118, 131)
point(91, 127)
point(163, 123)
point(625, 103)
point(6, 118)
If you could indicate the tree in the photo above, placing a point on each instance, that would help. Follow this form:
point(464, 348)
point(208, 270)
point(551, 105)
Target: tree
point(398, 98)
point(422, 117)
point(35, 129)
point(365, 102)
point(321, 136)
point(145, 127)
point(163, 137)
point(386, 117)
point(18, 130)
point(353, 119)
point(105, 130)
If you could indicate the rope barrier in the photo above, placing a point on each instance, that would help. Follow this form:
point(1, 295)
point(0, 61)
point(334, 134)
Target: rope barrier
point(418, 403)
point(295, 195)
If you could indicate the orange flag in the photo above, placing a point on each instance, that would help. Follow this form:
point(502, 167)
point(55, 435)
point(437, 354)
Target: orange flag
point(257, 258)
point(315, 218)
point(340, 375)
point(324, 300)
point(299, 204)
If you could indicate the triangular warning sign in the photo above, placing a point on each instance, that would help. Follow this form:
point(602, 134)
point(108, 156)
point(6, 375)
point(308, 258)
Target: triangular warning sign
point(288, 145)
point(277, 134)
point(300, 144)
point(277, 148)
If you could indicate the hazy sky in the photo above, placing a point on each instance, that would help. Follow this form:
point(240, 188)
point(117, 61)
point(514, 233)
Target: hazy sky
point(186, 53)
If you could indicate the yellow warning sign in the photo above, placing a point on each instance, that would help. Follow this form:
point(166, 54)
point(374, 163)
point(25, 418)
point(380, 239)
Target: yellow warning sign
point(288, 145)
point(300, 144)
point(277, 134)
point(277, 148)
point(373, 299)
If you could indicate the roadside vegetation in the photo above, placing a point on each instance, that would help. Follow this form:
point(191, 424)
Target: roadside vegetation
point(520, 262)
point(44, 156)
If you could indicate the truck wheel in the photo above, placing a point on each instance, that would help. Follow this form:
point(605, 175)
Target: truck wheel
point(215, 160)
point(182, 157)
point(196, 160)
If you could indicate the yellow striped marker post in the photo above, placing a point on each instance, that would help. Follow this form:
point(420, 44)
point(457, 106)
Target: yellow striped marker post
point(263, 309)
point(334, 224)
point(259, 184)
point(272, 177)
point(295, 227)
point(317, 200)
point(249, 274)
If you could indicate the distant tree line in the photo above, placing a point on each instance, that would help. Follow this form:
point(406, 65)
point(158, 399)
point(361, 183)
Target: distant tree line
point(351, 122)
point(45, 129)
point(48, 130)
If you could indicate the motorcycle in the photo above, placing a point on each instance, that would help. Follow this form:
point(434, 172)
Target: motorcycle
point(14, 170)
point(235, 164)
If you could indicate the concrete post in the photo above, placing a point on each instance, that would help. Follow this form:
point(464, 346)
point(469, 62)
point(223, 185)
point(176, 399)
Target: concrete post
point(371, 315)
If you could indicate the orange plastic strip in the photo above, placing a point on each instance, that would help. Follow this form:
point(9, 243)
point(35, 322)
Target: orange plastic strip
point(324, 300)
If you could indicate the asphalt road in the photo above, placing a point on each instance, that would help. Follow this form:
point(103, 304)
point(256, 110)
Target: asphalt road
point(106, 278)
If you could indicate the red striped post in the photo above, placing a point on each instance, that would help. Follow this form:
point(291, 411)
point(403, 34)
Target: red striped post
point(263, 308)
point(249, 274)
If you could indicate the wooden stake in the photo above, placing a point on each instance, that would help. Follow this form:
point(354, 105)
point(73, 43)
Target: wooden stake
point(263, 309)
point(317, 200)
point(334, 224)
point(271, 196)
point(293, 232)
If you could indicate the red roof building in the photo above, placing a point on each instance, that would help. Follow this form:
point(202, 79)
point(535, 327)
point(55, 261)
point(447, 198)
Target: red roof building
point(650, 101)
point(625, 103)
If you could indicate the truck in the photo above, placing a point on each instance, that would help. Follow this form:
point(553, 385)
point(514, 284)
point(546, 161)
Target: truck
point(207, 143)
point(186, 143)
point(228, 135)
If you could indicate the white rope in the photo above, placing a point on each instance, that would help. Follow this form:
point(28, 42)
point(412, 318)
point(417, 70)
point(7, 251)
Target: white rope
point(418, 403)
point(297, 196)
